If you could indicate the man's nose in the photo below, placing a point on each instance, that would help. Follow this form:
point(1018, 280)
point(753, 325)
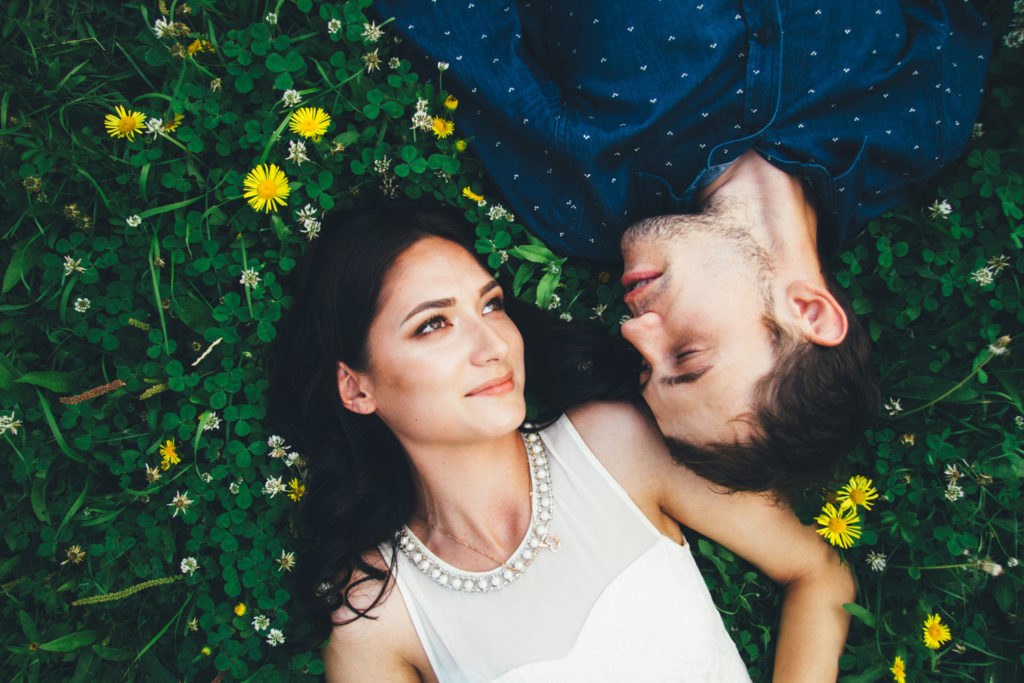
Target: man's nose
point(646, 333)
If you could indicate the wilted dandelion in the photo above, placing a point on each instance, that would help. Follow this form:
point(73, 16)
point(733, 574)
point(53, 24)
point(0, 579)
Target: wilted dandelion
point(371, 60)
point(73, 265)
point(286, 561)
point(181, 503)
point(75, 555)
point(152, 474)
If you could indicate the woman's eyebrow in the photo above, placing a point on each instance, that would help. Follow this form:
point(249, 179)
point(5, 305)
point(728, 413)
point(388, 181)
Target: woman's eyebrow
point(446, 303)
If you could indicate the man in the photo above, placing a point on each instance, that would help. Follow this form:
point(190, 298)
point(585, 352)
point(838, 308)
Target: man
point(785, 126)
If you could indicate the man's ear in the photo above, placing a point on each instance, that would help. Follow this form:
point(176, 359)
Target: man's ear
point(817, 314)
point(353, 388)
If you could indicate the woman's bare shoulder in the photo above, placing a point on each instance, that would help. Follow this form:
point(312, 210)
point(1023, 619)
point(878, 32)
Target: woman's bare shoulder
point(373, 635)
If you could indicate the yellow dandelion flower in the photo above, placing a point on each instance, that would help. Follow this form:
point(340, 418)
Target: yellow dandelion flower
point(839, 527)
point(124, 124)
point(198, 45)
point(168, 454)
point(172, 122)
point(206, 651)
point(461, 145)
point(296, 489)
point(266, 187)
point(451, 103)
point(469, 194)
point(899, 672)
point(309, 122)
point(858, 493)
point(442, 127)
point(935, 632)
point(240, 609)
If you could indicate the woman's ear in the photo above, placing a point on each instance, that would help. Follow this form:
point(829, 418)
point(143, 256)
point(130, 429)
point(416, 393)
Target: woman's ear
point(353, 388)
point(818, 316)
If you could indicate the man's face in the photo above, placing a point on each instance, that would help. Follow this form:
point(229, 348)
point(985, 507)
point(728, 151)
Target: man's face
point(699, 293)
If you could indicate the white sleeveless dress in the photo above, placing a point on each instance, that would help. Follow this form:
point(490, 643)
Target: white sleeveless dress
point(619, 601)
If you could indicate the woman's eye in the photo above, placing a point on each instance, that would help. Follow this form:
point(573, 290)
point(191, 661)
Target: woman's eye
point(495, 304)
point(435, 323)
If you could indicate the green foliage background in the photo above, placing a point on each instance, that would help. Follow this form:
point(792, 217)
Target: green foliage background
point(162, 292)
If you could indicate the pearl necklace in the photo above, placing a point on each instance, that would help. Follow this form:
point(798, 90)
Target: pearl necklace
point(537, 536)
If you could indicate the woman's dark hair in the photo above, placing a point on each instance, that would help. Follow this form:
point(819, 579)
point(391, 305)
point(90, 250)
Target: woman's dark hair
point(360, 486)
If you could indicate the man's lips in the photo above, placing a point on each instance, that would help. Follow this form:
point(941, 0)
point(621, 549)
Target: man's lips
point(636, 280)
point(496, 387)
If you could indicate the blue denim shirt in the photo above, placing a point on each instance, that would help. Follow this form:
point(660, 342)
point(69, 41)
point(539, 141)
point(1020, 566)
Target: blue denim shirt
point(590, 116)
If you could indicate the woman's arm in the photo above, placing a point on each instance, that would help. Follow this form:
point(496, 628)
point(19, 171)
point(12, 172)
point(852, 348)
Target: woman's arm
point(816, 584)
point(383, 647)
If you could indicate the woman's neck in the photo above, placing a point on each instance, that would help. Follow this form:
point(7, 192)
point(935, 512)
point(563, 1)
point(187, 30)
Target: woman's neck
point(477, 493)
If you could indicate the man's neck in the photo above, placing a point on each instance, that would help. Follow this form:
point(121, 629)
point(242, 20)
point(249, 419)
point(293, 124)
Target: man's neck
point(784, 218)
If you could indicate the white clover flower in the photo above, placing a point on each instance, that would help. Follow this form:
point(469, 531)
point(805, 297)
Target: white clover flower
point(497, 212)
point(9, 424)
point(297, 152)
point(154, 127)
point(983, 276)
point(939, 209)
point(162, 27)
point(442, 66)
point(421, 120)
point(1019, 421)
point(952, 473)
point(233, 487)
point(566, 316)
point(278, 448)
point(250, 278)
point(954, 492)
point(421, 104)
point(310, 228)
point(206, 477)
point(291, 98)
point(262, 621)
point(624, 319)
point(189, 565)
point(271, 18)
point(193, 624)
point(556, 301)
point(73, 265)
point(82, 304)
point(212, 421)
point(1012, 562)
point(371, 32)
point(876, 561)
point(291, 458)
point(381, 166)
point(1018, 6)
point(1014, 39)
point(599, 311)
point(133, 221)
point(893, 407)
point(394, 62)
point(998, 263)
point(305, 213)
point(333, 26)
point(977, 131)
point(275, 637)
point(273, 486)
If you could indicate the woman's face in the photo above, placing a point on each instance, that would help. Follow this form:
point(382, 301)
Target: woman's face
point(445, 361)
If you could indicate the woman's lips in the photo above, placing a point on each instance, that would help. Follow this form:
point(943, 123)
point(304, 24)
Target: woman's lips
point(496, 387)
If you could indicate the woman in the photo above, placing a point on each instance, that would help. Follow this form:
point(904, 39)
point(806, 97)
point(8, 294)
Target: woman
point(454, 547)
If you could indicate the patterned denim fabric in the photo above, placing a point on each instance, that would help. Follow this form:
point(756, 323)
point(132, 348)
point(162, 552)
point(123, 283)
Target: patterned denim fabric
point(589, 116)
